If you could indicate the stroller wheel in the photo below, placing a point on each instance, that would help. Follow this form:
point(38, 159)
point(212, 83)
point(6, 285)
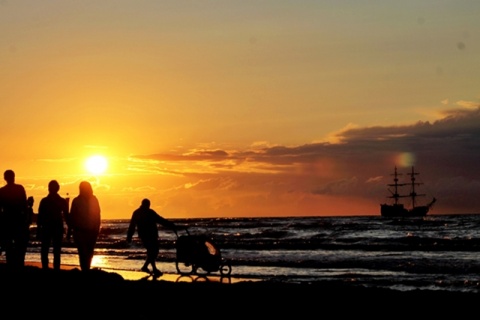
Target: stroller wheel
point(184, 267)
point(225, 268)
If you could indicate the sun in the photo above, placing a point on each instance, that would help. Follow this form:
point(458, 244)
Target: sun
point(96, 164)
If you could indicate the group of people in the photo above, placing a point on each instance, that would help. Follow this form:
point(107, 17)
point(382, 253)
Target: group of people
point(16, 216)
point(55, 220)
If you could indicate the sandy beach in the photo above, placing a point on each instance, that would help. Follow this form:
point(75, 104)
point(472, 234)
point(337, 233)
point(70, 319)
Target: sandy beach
point(33, 292)
point(131, 275)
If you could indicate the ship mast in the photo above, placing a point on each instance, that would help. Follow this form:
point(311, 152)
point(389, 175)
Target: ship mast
point(395, 195)
point(413, 194)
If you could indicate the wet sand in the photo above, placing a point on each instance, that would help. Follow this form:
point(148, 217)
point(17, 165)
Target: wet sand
point(139, 275)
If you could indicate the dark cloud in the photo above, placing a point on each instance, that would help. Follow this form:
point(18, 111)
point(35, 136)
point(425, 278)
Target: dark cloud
point(446, 152)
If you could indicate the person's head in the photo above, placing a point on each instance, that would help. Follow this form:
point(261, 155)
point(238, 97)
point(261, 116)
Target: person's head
point(53, 186)
point(145, 203)
point(9, 176)
point(85, 188)
point(30, 201)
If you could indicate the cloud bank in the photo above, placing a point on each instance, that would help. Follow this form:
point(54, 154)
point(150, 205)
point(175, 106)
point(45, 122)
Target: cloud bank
point(346, 177)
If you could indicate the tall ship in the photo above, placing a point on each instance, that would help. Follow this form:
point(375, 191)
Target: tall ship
point(397, 209)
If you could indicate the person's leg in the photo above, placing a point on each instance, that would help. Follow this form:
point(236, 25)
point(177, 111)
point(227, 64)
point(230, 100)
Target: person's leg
point(152, 258)
point(148, 257)
point(81, 255)
point(9, 246)
point(3, 238)
point(19, 248)
point(145, 266)
point(90, 241)
point(79, 240)
point(57, 248)
point(85, 242)
point(147, 245)
point(45, 246)
point(23, 240)
point(10, 253)
point(85, 257)
point(147, 262)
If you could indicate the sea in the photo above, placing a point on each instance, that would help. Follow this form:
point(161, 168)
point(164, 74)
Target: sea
point(436, 252)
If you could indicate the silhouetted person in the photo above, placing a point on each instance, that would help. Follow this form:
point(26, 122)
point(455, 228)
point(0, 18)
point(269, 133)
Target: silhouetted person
point(13, 205)
point(30, 211)
point(29, 217)
point(84, 220)
point(145, 220)
point(52, 212)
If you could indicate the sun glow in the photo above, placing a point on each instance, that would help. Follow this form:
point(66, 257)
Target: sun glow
point(96, 164)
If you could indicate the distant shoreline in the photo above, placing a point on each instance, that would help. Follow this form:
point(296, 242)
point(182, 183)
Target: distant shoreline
point(288, 217)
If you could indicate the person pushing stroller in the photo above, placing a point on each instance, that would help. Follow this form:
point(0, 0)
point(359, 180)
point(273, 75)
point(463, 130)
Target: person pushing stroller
point(145, 220)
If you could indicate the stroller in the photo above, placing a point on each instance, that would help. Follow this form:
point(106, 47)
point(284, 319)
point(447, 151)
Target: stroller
point(195, 252)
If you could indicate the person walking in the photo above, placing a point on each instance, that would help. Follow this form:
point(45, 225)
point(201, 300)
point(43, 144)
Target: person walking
point(84, 220)
point(52, 213)
point(14, 219)
point(145, 220)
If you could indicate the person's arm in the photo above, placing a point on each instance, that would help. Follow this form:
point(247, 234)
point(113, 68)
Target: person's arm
point(25, 208)
point(66, 217)
point(70, 220)
point(98, 213)
point(166, 223)
point(40, 213)
point(131, 228)
point(40, 218)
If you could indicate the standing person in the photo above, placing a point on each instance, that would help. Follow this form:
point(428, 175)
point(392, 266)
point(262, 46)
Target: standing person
point(13, 205)
point(29, 218)
point(30, 211)
point(145, 220)
point(84, 220)
point(52, 212)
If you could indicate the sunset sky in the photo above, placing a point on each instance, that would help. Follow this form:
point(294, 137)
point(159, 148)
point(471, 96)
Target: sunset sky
point(243, 108)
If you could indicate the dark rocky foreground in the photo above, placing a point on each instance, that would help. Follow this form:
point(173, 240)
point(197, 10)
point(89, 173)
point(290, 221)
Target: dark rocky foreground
point(72, 294)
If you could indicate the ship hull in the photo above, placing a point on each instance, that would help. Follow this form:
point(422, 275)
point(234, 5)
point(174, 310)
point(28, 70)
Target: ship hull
point(398, 210)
